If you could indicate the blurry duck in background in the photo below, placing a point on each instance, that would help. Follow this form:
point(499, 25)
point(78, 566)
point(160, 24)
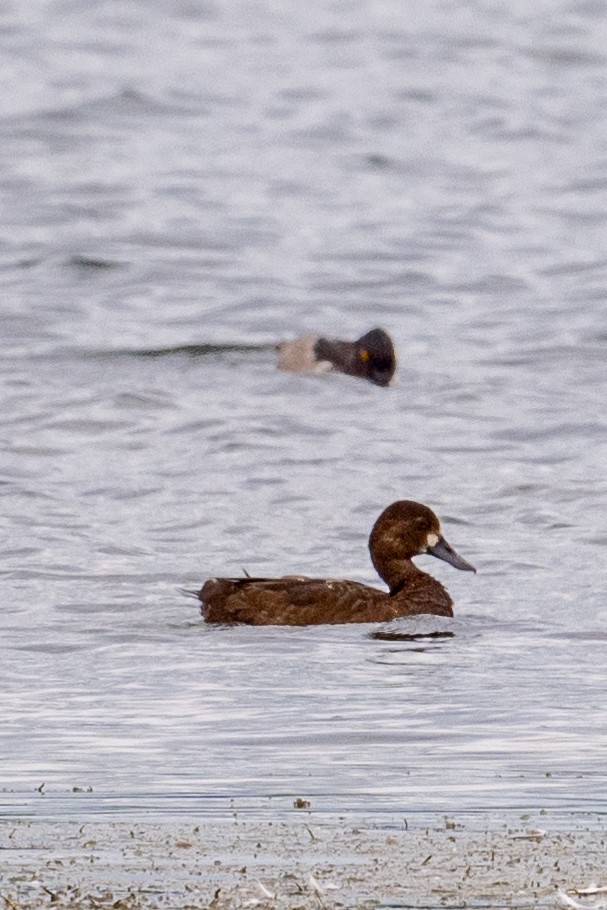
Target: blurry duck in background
point(403, 530)
point(371, 357)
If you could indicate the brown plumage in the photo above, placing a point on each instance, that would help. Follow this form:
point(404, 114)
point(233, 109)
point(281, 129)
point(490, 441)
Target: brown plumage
point(403, 530)
point(371, 357)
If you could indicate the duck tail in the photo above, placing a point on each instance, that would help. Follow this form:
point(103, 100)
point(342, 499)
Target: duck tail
point(188, 592)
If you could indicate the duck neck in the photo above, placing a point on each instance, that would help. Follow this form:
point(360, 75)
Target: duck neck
point(341, 354)
point(397, 573)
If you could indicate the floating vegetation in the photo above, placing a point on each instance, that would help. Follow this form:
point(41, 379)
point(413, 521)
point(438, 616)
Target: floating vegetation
point(239, 864)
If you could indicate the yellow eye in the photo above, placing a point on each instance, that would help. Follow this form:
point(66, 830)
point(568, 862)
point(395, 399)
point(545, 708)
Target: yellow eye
point(364, 355)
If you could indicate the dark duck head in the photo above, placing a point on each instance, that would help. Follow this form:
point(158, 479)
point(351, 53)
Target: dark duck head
point(375, 353)
point(403, 530)
point(371, 357)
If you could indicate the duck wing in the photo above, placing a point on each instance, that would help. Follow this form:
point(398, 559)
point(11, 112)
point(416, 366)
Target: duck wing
point(292, 601)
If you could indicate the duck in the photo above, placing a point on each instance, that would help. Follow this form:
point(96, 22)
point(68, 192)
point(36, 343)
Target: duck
point(370, 357)
point(403, 530)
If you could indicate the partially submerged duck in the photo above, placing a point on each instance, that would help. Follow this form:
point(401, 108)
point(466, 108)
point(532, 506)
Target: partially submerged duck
point(403, 530)
point(371, 357)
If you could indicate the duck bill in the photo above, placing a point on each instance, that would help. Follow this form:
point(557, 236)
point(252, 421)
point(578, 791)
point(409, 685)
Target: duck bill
point(442, 550)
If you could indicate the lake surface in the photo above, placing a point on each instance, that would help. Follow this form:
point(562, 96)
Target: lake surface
point(227, 175)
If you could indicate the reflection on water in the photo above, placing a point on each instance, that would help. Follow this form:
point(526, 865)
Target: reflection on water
point(396, 635)
point(165, 183)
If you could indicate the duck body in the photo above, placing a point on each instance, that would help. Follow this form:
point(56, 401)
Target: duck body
point(403, 530)
point(300, 601)
point(370, 357)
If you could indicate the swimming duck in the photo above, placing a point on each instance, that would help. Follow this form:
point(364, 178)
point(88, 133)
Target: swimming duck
point(370, 357)
point(403, 530)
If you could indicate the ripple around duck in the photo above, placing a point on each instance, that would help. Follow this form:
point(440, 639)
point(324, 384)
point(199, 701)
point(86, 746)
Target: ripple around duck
point(190, 350)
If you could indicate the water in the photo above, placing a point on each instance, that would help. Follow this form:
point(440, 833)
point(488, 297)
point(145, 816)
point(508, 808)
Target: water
point(226, 175)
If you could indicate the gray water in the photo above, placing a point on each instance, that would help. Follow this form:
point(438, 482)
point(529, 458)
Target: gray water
point(227, 175)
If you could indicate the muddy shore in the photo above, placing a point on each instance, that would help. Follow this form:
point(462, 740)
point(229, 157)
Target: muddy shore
point(300, 864)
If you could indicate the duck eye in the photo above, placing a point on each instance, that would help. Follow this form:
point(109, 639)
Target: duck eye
point(364, 355)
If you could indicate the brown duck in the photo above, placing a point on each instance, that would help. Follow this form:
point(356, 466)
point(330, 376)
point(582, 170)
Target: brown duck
point(371, 357)
point(403, 530)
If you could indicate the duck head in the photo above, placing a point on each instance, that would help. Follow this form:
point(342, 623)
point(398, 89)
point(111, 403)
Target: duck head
point(403, 530)
point(375, 357)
